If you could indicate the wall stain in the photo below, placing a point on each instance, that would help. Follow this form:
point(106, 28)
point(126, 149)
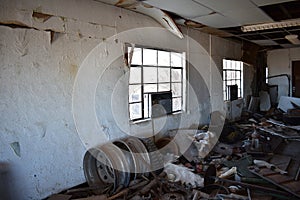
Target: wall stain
point(73, 70)
point(16, 148)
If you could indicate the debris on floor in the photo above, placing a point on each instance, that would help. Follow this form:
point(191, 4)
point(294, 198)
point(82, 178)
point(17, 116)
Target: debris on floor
point(254, 158)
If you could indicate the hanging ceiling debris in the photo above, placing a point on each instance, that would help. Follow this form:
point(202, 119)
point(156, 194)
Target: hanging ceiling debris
point(227, 18)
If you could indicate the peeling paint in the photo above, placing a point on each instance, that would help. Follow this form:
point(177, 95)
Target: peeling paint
point(14, 24)
point(41, 17)
point(55, 36)
point(16, 148)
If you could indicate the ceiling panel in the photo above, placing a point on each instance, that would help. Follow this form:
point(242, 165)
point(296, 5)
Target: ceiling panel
point(187, 8)
point(268, 2)
point(215, 20)
point(239, 11)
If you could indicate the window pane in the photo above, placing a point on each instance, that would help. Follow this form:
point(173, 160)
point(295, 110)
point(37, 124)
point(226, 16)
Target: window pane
point(137, 56)
point(224, 64)
point(231, 75)
point(164, 87)
point(163, 58)
point(176, 75)
point(176, 89)
point(176, 104)
point(176, 59)
point(135, 110)
point(135, 93)
point(135, 75)
point(238, 75)
point(150, 74)
point(149, 57)
point(238, 84)
point(163, 74)
point(150, 88)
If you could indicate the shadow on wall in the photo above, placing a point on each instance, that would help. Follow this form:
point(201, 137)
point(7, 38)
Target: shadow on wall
point(201, 90)
point(5, 177)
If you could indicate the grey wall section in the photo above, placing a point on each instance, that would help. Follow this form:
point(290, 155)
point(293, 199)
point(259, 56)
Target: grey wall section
point(280, 62)
point(38, 138)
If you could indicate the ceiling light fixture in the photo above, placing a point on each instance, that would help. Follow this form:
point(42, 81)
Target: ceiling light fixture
point(293, 39)
point(272, 25)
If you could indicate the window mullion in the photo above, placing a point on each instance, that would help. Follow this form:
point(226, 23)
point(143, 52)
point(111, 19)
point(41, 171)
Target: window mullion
point(142, 83)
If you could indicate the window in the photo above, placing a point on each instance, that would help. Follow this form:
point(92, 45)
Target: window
point(232, 79)
point(156, 77)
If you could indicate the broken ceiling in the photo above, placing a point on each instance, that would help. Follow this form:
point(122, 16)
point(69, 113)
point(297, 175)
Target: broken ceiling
point(226, 18)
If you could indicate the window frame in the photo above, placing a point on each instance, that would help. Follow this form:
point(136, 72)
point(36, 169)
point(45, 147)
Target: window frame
point(240, 79)
point(142, 83)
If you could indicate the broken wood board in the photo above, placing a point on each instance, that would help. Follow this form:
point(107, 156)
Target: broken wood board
point(287, 183)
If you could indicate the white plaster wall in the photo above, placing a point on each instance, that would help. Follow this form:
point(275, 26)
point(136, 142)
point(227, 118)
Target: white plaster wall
point(280, 62)
point(37, 75)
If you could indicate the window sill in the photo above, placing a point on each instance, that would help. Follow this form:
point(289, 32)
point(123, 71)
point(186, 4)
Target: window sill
point(149, 119)
point(140, 121)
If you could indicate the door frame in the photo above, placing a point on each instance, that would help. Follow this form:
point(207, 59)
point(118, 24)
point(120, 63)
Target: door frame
point(291, 72)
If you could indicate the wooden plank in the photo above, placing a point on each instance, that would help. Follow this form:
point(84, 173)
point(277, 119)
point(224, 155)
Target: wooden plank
point(266, 172)
point(282, 162)
point(280, 178)
point(293, 186)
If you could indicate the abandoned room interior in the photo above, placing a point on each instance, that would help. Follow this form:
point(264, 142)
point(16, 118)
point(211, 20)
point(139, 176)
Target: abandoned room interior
point(149, 99)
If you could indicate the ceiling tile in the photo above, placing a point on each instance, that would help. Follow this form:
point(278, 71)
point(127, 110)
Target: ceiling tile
point(264, 42)
point(187, 8)
point(241, 12)
point(215, 20)
point(268, 2)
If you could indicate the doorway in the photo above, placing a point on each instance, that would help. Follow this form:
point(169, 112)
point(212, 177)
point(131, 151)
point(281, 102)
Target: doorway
point(296, 78)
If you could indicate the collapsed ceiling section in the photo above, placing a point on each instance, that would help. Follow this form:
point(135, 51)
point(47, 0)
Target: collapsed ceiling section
point(227, 18)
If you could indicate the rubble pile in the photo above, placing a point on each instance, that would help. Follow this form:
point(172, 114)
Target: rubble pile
point(254, 158)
